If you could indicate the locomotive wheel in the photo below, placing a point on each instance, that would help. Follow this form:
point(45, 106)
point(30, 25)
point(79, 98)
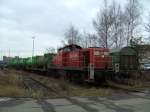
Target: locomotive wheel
point(75, 76)
point(109, 76)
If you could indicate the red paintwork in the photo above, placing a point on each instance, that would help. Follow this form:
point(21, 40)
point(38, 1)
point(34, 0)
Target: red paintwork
point(75, 59)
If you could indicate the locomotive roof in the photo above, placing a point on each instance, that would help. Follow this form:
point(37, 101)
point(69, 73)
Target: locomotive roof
point(71, 46)
point(96, 48)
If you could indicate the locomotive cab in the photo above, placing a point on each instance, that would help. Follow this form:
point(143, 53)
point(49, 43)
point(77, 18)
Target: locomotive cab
point(97, 61)
point(62, 59)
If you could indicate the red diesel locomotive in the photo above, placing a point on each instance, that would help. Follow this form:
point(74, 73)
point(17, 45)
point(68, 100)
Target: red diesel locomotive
point(84, 64)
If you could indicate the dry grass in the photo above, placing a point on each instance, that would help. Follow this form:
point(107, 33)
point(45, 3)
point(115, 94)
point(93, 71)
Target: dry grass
point(65, 88)
point(11, 85)
point(91, 92)
point(37, 95)
point(11, 91)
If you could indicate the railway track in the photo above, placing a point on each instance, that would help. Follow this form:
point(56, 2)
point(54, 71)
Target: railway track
point(36, 87)
point(36, 84)
point(126, 88)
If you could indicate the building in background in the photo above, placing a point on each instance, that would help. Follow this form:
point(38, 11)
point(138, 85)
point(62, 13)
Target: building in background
point(144, 54)
point(7, 59)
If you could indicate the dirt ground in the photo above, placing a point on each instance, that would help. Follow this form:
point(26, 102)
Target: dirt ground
point(11, 85)
point(15, 84)
point(24, 84)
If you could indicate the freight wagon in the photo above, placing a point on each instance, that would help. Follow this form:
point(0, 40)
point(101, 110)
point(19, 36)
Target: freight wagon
point(125, 61)
point(42, 62)
point(83, 64)
point(36, 62)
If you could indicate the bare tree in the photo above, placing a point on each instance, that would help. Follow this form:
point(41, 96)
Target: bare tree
point(92, 40)
point(132, 12)
point(147, 28)
point(50, 50)
point(89, 40)
point(117, 29)
point(84, 40)
point(136, 41)
point(72, 35)
point(103, 24)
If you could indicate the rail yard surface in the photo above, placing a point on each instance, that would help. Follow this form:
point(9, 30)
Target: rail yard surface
point(131, 102)
point(29, 92)
point(24, 84)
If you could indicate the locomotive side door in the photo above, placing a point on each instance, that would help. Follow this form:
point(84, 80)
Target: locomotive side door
point(91, 71)
point(86, 58)
point(86, 63)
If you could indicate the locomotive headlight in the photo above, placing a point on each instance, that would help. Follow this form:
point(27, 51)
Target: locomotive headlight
point(102, 56)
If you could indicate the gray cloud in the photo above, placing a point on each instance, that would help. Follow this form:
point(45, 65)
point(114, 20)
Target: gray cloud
point(46, 19)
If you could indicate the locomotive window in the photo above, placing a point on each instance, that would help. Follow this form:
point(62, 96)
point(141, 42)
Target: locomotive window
point(67, 49)
point(106, 53)
point(97, 53)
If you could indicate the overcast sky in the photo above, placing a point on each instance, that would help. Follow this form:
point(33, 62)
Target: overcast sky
point(46, 20)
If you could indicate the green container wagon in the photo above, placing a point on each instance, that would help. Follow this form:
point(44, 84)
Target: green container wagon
point(48, 59)
point(38, 62)
point(27, 62)
point(125, 59)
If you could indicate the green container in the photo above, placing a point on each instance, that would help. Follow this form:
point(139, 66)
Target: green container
point(125, 58)
point(24, 61)
point(21, 61)
point(28, 61)
point(34, 60)
point(42, 62)
point(13, 62)
point(38, 62)
point(48, 59)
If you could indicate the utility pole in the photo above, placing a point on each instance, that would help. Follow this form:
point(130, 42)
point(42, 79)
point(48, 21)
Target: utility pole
point(33, 47)
point(9, 58)
point(9, 53)
point(1, 54)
